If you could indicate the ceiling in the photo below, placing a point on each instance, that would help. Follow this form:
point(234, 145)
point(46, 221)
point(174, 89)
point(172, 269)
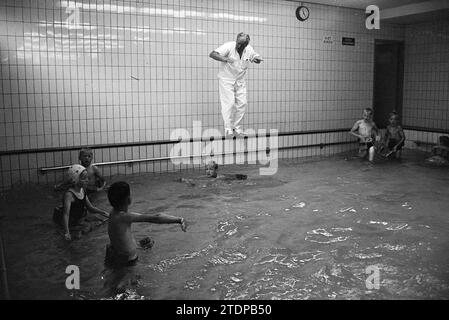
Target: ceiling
point(362, 4)
point(397, 11)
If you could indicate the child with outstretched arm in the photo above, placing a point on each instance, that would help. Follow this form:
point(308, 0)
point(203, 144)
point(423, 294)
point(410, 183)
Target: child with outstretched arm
point(122, 250)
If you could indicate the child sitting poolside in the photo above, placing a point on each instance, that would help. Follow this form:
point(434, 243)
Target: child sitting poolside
point(75, 201)
point(366, 130)
point(96, 181)
point(394, 137)
point(121, 251)
point(440, 152)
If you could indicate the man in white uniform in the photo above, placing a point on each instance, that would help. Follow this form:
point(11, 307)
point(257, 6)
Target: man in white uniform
point(235, 57)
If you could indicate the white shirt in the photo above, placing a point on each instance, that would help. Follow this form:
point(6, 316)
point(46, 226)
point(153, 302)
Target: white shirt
point(237, 69)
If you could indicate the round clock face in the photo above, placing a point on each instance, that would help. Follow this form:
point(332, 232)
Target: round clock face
point(302, 13)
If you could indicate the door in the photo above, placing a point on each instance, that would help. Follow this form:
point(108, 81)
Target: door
point(388, 80)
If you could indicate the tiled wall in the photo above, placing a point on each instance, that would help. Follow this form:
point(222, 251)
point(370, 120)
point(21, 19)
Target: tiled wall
point(426, 82)
point(99, 72)
point(426, 75)
point(423, 140)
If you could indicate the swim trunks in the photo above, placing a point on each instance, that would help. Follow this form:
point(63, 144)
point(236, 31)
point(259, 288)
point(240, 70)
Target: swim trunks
point(114, 259)
point(364, 147)
point(394, 142)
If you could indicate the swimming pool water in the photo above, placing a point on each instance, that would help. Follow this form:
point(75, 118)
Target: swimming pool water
point(308, 232)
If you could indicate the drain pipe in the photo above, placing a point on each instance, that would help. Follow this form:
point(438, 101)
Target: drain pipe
point(4, 278)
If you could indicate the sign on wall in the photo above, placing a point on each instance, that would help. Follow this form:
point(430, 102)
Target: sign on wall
point(348, 41)
point(328, 39)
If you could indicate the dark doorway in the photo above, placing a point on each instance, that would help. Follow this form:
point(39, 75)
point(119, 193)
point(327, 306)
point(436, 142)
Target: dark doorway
point(388, 79)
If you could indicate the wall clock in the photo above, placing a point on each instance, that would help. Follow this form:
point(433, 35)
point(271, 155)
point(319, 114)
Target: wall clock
point(302, 13)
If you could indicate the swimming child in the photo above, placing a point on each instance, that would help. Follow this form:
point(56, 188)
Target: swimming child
point(394, 137)
point(212, 172)
point(96, 182)
point(366, 130)
point(442, 148)
point(75, 201)
point(121, 251)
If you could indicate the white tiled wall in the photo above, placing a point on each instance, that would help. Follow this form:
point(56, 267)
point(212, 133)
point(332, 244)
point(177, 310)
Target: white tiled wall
point(421, 140)
point(426, 75)
point(132, 71)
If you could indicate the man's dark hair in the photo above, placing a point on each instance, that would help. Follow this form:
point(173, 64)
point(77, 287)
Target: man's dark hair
point(213, 164)
point(118, 193)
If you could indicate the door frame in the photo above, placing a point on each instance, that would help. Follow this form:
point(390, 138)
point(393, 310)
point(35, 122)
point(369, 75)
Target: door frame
point(400, 73)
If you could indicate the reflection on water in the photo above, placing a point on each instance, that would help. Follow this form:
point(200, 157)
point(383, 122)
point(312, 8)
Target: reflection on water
point(237, 249)
point(163, 265)
point(320, 235)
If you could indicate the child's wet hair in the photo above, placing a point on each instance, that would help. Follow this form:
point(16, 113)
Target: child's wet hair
point(370, 110)
point(85, 151)
point(212, 164)
point(394, 114)
point(118, 193)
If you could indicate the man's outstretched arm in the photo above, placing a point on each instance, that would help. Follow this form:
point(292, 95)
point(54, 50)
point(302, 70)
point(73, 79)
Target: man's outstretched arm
point(255, 57)
point(257, 60)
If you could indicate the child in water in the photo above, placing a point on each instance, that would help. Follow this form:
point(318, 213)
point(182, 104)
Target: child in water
point(366, 130)
point(394, 137)
point(96, 181)
point(212, 172)
point(121, 252)
point(75, 201)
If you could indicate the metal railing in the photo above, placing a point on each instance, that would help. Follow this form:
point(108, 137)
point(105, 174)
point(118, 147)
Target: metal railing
point(423, 129)
point(267, 134)
point(162, 142)
point(132, 161)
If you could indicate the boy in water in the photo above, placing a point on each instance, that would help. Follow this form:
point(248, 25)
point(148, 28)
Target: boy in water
point(394, 136)
point(122, 249)
point(96, 181)
point(366, 130)
point(212, 172)
point(75, 201)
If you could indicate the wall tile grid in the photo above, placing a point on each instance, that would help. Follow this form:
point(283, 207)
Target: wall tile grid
point(426, 82)
point(100, 72)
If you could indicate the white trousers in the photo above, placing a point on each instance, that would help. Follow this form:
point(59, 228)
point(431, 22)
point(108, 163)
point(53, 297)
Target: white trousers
point(233, 102)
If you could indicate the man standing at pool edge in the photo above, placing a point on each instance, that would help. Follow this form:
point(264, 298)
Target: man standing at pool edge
point(234, 57)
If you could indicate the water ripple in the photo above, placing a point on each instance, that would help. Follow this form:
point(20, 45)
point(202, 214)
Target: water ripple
point(164, 265)
point(321, 235)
